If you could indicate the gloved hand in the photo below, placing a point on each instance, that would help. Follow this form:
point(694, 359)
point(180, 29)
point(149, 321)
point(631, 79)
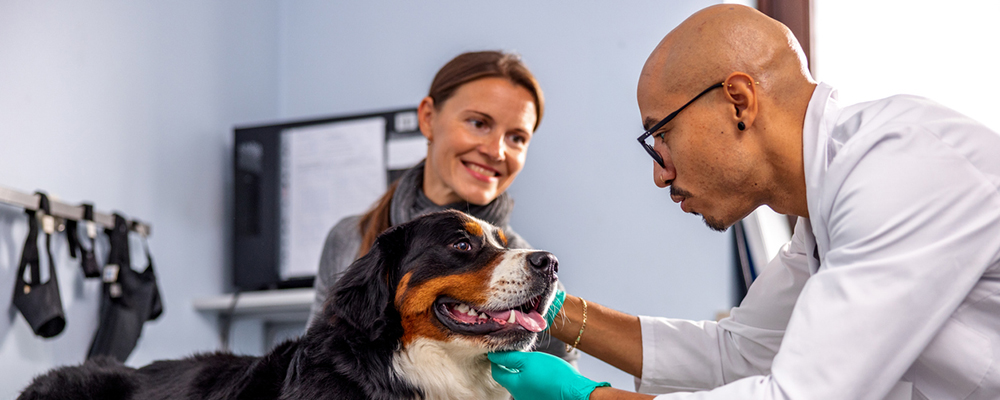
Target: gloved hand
point(540, 376)
point(554, 308)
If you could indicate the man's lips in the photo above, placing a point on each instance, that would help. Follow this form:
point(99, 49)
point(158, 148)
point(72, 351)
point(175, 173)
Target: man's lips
point(680, 199)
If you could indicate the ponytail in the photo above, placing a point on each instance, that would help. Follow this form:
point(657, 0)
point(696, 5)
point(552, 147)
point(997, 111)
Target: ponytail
point(375, 220)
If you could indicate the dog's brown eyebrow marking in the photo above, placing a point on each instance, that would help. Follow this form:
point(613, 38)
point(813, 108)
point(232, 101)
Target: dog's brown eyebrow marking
point(402, 286)
point(502, 237)
point(474, 228)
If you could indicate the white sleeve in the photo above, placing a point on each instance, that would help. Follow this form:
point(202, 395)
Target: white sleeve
point(912, 228)
point(697, 355)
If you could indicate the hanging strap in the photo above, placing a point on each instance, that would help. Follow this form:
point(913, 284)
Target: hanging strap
point(145, 248)
point(91, 226)
point(118, 236)
point(156, 305)
point(29, 255)
point(48, 227)
point(88, 261)
point(129, 299)
point(118, 258)
point(39, 303)
point(72, 230)
point(74, 241)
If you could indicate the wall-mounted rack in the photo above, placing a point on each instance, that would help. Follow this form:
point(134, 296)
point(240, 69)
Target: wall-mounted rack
point(60, 209)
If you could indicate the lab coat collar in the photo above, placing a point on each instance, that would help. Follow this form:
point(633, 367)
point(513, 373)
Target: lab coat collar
point(821, 115)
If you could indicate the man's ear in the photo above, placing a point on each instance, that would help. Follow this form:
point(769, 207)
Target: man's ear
point(742, 91)
point(425, 117)
point(363, 297)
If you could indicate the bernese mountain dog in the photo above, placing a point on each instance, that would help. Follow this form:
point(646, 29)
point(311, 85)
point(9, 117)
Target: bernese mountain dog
point(412, 319)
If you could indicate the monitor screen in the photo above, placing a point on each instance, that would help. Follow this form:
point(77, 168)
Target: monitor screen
point(295, 180)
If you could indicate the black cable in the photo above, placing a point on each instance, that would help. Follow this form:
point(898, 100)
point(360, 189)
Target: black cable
point(226, 321)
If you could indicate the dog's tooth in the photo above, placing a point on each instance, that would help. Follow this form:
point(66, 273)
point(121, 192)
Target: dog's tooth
point(483, 316)
point(512, 318)
point(472, 312)
point(462, 308)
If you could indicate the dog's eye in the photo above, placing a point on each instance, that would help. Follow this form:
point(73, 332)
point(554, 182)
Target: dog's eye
point(463, 245)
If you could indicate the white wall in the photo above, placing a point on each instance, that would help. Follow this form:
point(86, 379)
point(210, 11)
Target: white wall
point(586, 193)
point(129, 105)
point(943, 51)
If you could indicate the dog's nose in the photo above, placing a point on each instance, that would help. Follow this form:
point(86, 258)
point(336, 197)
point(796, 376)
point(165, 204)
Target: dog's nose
point(544, 261)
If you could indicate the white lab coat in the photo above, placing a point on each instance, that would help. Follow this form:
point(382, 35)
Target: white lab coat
point(902, 297)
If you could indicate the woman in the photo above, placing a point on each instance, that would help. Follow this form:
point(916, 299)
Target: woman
point(478, 118)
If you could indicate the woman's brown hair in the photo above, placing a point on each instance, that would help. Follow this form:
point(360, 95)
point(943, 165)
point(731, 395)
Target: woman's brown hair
point(464, 68)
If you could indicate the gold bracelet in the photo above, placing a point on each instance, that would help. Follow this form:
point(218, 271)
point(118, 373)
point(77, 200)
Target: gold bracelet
point(584, 325)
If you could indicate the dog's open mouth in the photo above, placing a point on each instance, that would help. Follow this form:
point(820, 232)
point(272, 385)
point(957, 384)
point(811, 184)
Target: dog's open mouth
point(463, 318)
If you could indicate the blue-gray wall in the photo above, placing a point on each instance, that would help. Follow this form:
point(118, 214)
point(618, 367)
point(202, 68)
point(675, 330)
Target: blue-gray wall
point(131, 105)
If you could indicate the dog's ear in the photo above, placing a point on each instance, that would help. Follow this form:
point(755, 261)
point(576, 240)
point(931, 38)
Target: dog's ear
point(363, 297)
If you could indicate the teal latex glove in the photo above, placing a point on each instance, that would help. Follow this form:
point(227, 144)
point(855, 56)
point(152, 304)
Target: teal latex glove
point(540, 376)
point(554, 308)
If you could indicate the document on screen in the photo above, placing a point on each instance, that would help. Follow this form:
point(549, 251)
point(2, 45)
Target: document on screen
point(328, 172)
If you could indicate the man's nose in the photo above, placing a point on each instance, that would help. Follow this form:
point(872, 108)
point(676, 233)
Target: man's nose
point(664, 176)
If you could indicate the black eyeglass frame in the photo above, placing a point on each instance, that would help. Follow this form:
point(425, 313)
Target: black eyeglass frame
point(642, 138)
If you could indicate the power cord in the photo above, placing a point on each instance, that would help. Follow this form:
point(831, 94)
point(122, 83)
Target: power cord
point(226, 321)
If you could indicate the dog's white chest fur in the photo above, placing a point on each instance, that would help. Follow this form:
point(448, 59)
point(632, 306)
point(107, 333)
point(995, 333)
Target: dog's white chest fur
point(448, 370)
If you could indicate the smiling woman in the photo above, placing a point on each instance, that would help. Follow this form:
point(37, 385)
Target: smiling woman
point(479, 139)
point(479, 117)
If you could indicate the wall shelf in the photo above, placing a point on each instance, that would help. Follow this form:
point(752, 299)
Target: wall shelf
point(283, 305)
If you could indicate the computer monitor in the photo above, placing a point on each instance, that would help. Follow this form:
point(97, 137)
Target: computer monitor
point(294, 180)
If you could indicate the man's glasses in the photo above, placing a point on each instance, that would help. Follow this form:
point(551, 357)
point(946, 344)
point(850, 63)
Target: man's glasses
point(649, 132)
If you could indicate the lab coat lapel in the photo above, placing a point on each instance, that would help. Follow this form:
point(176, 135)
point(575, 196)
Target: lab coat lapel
point(809, 242)
point(820, 116)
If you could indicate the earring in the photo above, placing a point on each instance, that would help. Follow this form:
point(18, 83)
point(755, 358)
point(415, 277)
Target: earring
point(741, 126)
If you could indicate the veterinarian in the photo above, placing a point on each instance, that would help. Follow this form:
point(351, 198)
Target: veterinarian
point(479, 118)
point(890, 286)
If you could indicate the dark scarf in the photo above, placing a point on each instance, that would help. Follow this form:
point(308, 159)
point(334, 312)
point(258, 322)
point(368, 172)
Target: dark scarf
point(410, 202)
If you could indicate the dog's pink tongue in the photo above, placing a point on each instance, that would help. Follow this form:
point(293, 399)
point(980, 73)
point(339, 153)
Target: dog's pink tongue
point(500, 316)
point(532, 321)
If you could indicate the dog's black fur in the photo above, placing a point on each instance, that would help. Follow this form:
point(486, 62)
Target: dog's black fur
point(346, 355)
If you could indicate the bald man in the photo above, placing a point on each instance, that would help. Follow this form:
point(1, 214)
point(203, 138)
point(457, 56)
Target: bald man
point(890, 286)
